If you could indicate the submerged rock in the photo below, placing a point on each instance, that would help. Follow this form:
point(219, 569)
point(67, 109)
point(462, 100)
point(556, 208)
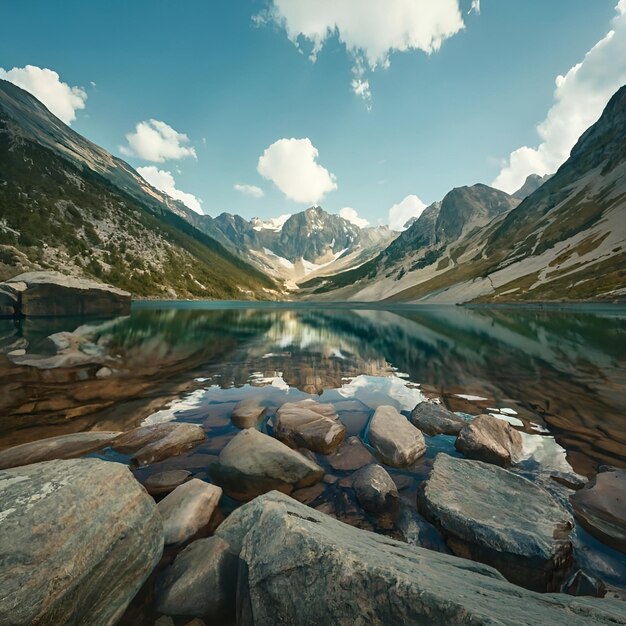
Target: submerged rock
point(419, 532)
point(601, 507)
point(188, 509)
point(396, 441)
point(490, 440)
point(434, 419)
point(494, 516)
point(377, 493)
point(351, 455)
point(253, 463)
point(201, 581)
point(164, 482)
point(61, 447)
point(299, 566)
point(248, 413)
point(78, 540)
point(309, 424)
point(44, 293)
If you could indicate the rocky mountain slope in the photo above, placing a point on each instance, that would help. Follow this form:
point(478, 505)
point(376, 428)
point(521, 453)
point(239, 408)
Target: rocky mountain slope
point(565, 241)
point(532, 183)
point(67, 204)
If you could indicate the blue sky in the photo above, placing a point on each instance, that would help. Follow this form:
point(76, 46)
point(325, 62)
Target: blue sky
point(226, 74)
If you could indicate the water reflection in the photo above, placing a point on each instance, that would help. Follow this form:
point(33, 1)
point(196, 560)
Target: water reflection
point(558, 373)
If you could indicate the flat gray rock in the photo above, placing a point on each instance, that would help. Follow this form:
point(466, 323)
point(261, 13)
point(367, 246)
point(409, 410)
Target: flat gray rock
point(434, 419)
point(491, 440)
point(253, 463)
point(78, 539)
point(201, 581)
point(248, 413)
point(309, 424)
point(303, 567)
point(494, 516)
point(61, 447)
point(396, 441)
point(188, 509)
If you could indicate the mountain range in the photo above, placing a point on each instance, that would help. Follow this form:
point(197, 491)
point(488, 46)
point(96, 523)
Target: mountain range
point(67, 204)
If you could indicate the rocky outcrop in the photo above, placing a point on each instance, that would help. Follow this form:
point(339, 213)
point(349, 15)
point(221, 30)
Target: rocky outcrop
point(309, 424)
point(491, 440)
point(601, 507)
point(253, 463)
point(78, 540)
point(46, 294)
point(188, 509)
point(61, 447)
point(201, 581)
point(434, 419)
point(302, 567)
point(248, 413)
point(491, 515)
point(395, 440)
point(377, 494)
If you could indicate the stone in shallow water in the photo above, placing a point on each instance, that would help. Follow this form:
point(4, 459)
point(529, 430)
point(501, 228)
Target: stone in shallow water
point(188, 509)
point(494, 516)
point(490, 440)
point(248, 413)
point(61, 447)
point(137, 438)
point(201, 581)
point(434, 419)
point(350, 455)
point(303, 567)
point(309, 424)
point(377, 493)
point(183, 437)
point(78, 539)
point(601, 507)
point(253, 463)
point(164, 482)
point(396, 441)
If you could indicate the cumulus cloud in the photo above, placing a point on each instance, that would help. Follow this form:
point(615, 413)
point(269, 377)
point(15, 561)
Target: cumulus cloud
point(249, 190)
point(157, 141)
point(291, 164)
point(350, 214)
point(46, 86)
point(164, 181)
point(579, 99)
point(371, 30)
point(401, 213)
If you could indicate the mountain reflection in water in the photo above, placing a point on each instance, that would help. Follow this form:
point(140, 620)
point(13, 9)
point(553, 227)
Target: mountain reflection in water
point(560, 373)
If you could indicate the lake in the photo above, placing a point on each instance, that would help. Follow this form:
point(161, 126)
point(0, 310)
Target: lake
point(558, 375)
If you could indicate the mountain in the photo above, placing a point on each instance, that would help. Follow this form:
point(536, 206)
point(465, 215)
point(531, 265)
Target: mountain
point(299, 246)
point(463, 211)
point(531, 184)
point(566, 241)
point(69, 205)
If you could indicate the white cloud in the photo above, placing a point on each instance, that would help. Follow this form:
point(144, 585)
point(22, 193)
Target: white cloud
point(249, 190)
point(291, 164)
point(164, 181)
point(157, 141)
point(46, 85)
point(475, 7)
point(371, 30)
point(580, 97)
point(401, 213)
point(350, 214)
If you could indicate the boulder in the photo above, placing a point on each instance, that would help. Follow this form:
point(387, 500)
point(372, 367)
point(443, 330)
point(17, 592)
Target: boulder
point(10, 299)
point(601, 507)
point(135, 439)
point(377, 493)
point(164, 482)
point(299, 566)
point(253, 463)
point(434, 419)
point(419, 532)
point(490, 440)
point(60, 447)
point(309, 424)
point(52, 294)
point(201, 581)
point(188, 509)
point(582, 584)
point(248, 413)
point(494, 516)
point(395, 440)
point(183, 437)
point(351, 455)
point(78, 540)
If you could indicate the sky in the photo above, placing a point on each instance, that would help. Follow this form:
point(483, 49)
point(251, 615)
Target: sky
point(371, 109)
